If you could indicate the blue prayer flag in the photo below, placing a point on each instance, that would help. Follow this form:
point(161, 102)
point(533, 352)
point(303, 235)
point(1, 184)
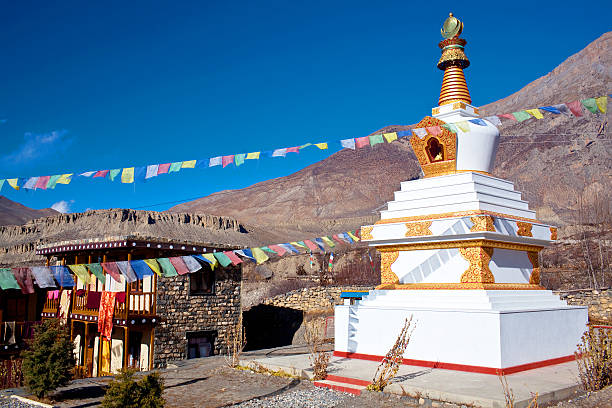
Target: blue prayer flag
point(551, 109)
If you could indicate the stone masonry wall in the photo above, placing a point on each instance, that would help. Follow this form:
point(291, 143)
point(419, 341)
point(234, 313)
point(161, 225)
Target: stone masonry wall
point(181, 312)
point(598, 301)
point(316, 298)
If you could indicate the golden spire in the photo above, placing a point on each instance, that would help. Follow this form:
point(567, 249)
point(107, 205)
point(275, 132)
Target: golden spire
point(453, 61)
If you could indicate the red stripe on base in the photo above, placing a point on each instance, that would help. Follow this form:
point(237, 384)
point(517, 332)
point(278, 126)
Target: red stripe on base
point(347, 380)
point(340, 388)
point(462, 367)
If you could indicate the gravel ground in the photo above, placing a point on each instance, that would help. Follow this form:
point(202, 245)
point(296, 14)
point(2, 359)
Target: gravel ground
point(8, 402)
point(314, 398)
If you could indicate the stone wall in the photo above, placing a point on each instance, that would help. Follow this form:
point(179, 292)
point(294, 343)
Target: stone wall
point(181, 312)
point(316, 298)
point(598, 301)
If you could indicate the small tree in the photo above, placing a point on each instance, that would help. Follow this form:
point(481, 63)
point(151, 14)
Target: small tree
point(49, 362)
point(125, 392)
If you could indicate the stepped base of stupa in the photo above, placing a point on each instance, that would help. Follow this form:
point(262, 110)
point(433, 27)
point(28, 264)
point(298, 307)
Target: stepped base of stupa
point(484, 331)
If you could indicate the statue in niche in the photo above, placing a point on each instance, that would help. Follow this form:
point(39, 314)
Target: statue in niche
point(435, 150)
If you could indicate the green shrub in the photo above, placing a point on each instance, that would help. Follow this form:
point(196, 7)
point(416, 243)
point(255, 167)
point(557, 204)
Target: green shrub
point(125, 392)
point(49, 361)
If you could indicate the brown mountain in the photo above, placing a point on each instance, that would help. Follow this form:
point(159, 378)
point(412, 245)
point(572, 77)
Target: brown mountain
point(13, 213)
point(552, 161)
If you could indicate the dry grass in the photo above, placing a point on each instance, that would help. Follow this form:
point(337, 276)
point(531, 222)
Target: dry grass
point(509, 394)
point(389, 366)
point(235, 343)
point(594, 358)
point(319, 359)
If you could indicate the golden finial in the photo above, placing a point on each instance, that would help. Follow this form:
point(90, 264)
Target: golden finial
point(453, 61)
point(452, 27)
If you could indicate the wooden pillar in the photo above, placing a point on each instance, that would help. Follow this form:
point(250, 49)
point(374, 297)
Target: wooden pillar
point(126, 345)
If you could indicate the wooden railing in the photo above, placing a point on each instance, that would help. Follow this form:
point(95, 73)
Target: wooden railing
point(136, 304)
point(51, 305)
point(141, 303)
point(23, 331)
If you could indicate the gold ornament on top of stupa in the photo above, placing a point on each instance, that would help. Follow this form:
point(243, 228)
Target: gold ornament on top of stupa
point(453, 61)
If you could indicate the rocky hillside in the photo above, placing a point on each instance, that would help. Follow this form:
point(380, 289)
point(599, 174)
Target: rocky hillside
point(552, 161)
point(12, 213)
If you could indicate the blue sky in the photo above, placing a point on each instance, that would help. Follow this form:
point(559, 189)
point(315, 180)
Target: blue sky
point(136, 83)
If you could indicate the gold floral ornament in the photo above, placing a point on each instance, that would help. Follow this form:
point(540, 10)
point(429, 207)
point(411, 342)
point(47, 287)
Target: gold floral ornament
point(416, 229)
point(482, 223)
point(553, 233)
point(366, 233)
point(478, 271)
point(387, 258)
point(534, 278)
point(524, 229)
point(436, 153)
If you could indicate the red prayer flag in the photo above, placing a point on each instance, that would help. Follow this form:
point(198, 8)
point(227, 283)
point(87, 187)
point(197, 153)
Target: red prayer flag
point(362, 141)
point(233, 257)
point(311, 245)
point(24, 280)
point(575, 107)
point(225, 160)
point(295, 149)
point(163, 168)
point(507, 116)
point(42, 182)
point(337, 239)
point(179, 265)
point(113, 270)
point(101, 173)
point(278, 249)
point(434, 130)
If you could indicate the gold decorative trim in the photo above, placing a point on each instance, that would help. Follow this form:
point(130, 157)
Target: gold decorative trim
point(476, 111)
point(451, 215)
point(458, 105)
point(553, 233)
point(460, 244)
point(478, 271)
point(387, 259)
point(366, 233)
point(418, 229)
point(460, 286)
point(534, 278)
point(435, 111)
point(482, 223)
point(524, 229)
point(445, 163)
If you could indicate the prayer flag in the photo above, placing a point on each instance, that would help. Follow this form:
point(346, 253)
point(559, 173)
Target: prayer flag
point(101, 173)
point(223, 259)
point(279, 152)
point(420, 132)
point(113, 174)
point(267, 249)
point(201, 163)
point(225, 160)
point(353, 236)
point(550, 109)
point(179, 265)
point(42, 182)
point(521, 116)
point(152, 170)
point(463, 126)
point(141, 269)
point(300, 244)
point(338, 240)
point(320, 244)
point(321, 146)
point(562, 108)
point(87, 174)
point(154, 265)
point(289, 248)
point(127, 176)
point(434, 130)
point(328, 241)
point(348, 143)
point(253, 156)
point(7, 279)
point(214, 161)
point(376, 139)
point(233, 257)
point(260, 256)
point(310, 245)
point(24, 280)
point(248, 253)
point(239, 159)
point(13, 183)
point(305, 145)
point(362, 142)
point(53, 181)
point(168, 269)
point(590, 104)
point(112, 269)
point(404, 133)
point(175, 167)
point(478, 122)
point(81, 272)
point(96, 270)
point(535, 113)
point(494, 120)
point(189, 164)
point(43, 277)
point(602, 103)
point(295, 149)
point(450, 127)
point(243, 254)
point(280, 251)
point(191, 263)
point(126, 270)
point(1, 183)
point(62, 276)
point(211, 260)
point(31, 183)
point(575, 108)
point(163, 168)
point(389, 137)
point(139, 174)
point(507, 116)
point(346, 237)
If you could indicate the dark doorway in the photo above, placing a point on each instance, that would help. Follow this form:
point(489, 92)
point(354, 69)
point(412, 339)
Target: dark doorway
point(269, 326)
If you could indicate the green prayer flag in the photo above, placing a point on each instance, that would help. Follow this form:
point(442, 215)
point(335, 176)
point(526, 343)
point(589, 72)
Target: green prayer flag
point(239, 159)
point(302, 244)
point(53, 181)
point(113, 173)
point(7, 279)
point(450, 127)
point(521, 116)
point(1, 183)
point(96, 269)
point(590, 104)
point(223, 259)
point(174, 167)
point(376, 139)
point(168, 269)
point(265, 248)
point(305, 145)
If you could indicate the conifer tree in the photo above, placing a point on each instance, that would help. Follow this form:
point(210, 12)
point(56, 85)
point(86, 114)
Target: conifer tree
point(125, 392)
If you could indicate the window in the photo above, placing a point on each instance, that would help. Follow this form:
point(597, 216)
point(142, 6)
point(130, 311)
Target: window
point(200, 343)
point(202, 282)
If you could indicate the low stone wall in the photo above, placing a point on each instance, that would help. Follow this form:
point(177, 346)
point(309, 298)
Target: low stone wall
point(310, 299)
point(598, 301)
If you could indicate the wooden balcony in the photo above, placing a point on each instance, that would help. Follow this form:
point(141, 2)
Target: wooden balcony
point(23, 331)
point(136, 304)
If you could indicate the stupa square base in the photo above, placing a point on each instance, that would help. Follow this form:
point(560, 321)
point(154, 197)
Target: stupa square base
point(484, 331)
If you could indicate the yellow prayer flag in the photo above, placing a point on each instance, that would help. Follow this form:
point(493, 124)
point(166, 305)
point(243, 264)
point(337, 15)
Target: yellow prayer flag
point(154, 266)
point(389, 137)
point(328, 241)
point(81, 272)
point(254, 155)
point(602, 103)
point(355, 238)
point(463, 126)
point(13, 183)
point(321, 146)
point(190, 164)
point(535, 112)
point(127, 176)
point(297, 244)
point(259, 255)
point(64, 179)
point(212, 259)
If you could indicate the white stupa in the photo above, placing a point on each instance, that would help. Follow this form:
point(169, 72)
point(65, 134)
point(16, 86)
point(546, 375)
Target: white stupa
point(460, 252)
